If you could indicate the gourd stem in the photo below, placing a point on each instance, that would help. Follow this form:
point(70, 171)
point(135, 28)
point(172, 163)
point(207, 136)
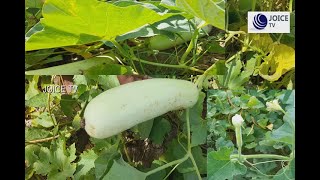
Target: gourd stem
point(239, 139)
point(261, 156)
point(190, 47)
point(195, 165)
point(188, 130)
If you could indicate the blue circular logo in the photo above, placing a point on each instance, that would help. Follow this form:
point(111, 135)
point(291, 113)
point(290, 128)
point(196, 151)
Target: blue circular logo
point(260, 21)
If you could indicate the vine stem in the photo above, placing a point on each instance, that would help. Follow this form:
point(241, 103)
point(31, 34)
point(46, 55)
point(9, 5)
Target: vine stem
point(171, 171)
point(190, 47)
point(188, 130)
point(189, 144)
point(47, 139)
point(187, 155)
point(42, 140)
point(133, 57)
point(239, 139)
point(178, 161)
point(290, 5)
point(49, 107)
point(202, 77)
point(253, 5)
point(261, 156)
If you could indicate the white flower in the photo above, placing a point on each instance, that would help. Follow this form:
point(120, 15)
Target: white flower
point(274, 106)
point(237, 120)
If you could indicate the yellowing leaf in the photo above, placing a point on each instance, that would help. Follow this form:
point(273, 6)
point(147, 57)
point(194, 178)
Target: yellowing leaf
point(280, 60)
point(262, 41)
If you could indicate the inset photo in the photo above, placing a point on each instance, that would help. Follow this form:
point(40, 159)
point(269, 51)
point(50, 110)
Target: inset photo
point(114, 127)
point(251, 134)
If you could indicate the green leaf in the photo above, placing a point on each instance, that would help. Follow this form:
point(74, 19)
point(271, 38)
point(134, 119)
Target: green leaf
point(36, 28)
point(222, 142)
point(196, 110)
point(35, 133)
point(100, 144)
point(197, 123)
point(285, 134)
point(167, 27)
point(219, 68)
point(109, 69)
point(255, 103)
point(86, 163)
point(76, 122)
point(190, 175)
point(85, 21)
point(121, 170)
point(68, 104)
point(262, 122)
point(31, 152)
point(215, 47)
point(251, 145)
point(56, 162)
point(43, 166)
point(286, 173)
point(145, 128)
point(108, 81)
point(34, 3)
point(158, 175)
point(290, 116)
point(159, 130)
point(32, 87)
point(39, 100)
point(105, 160)
point(33, 58)
point(199, 134)
point(74, 68)
point(220, 166)
point(44, 120)
point(170, 4)
point(175, 151)
point(200, 159)
point(129, 3)
point(245, 5)
point(238, 77)
point(80, 79)
point(206, 10)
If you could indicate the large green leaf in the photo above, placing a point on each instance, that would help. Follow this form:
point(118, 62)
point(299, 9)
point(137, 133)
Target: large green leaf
point(284, 134)
point(220, 166)
point(86, 163)
point(236, 77)
point(68, 104)
point(160, 129)
point(77, 22)
point(35, 133)
point(105, 160)
point(287, 172)
point(207, 10)
point(56, 162)
point(39, 100)
point(121, 170)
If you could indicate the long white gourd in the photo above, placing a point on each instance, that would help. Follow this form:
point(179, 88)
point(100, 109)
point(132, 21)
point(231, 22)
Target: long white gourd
point(125, 106)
